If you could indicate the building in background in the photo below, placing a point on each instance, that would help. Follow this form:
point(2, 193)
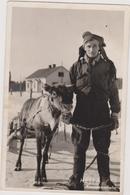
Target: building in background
point(53, 75)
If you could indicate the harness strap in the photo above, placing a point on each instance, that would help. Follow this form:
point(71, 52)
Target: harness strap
point(55, 112)
point(36, 113)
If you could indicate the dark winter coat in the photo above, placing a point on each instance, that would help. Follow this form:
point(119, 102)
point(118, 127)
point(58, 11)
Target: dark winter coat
point(96, 91)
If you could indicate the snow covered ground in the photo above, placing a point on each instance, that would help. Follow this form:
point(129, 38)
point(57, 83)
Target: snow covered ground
point(60, 165)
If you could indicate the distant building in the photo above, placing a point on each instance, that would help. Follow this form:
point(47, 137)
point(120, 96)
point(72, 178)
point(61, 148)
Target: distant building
point(52, 75)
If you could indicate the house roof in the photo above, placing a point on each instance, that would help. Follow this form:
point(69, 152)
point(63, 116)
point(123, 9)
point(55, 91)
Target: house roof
point(43, 73)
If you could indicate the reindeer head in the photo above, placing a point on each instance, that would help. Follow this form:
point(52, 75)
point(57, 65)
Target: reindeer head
point(61, 97)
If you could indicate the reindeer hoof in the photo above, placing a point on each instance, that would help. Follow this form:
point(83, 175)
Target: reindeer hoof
point(17, 169)
point(47, 162)
point(38, 184)
point(44, 179)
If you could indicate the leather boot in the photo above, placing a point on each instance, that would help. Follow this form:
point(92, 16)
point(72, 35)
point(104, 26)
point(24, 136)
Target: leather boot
point(75, 184)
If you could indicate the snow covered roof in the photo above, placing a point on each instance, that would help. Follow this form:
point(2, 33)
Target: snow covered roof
point(43, 73)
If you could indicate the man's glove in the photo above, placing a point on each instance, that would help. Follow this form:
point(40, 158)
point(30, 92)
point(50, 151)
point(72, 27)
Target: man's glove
point(114, 118)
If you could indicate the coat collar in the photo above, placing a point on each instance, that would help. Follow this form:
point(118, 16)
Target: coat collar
point(85, 59)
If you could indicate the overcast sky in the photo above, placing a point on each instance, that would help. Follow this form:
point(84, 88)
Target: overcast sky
point(42, 36)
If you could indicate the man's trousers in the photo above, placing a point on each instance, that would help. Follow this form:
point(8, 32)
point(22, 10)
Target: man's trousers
point(101, 142)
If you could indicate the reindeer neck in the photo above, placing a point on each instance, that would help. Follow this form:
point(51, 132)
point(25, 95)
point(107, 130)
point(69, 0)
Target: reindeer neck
point(54, 111)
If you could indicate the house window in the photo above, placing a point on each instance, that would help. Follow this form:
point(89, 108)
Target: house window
point(61, 74)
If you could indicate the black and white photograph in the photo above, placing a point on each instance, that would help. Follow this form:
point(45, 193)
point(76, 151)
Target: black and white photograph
point(65, 97)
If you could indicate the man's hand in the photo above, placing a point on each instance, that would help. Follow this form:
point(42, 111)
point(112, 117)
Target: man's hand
point(115, 120)
point(66, 118)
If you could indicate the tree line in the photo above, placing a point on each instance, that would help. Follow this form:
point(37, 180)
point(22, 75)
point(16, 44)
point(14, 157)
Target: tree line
point(16, 85)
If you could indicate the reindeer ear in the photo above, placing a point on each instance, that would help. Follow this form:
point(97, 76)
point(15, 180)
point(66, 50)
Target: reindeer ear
point(47, 88)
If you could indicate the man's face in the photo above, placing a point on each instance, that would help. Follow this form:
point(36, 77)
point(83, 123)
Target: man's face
point(92, 48)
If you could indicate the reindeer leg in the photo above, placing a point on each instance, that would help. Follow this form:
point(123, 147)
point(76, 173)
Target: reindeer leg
point(18, 163)
point(38, 178)
point(45, 157)
point(44, 176)
point(22, 139)
point(50, 151)
point(48, 144)
point(45, 152)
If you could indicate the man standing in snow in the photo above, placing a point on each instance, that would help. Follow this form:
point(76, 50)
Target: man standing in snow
point(97, 104)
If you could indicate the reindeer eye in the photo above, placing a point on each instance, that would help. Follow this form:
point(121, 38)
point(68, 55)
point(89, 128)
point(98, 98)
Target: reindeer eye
point(54, 94)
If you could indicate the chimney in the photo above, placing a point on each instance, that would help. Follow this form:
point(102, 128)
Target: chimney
point(54, 65)
point(50, 66)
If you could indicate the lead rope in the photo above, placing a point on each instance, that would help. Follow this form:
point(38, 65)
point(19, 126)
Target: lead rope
point(87, 167)
point(95, 157)
point(93, 160)
point(65, 136)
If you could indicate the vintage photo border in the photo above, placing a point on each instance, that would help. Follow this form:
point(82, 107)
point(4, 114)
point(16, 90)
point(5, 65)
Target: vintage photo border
point(124, 75)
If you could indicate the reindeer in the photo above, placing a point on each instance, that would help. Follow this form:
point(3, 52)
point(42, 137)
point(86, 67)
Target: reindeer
point(42, 115)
